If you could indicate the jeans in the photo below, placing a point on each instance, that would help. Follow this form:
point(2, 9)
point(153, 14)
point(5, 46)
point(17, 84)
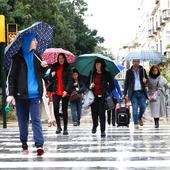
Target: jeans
point(138, 101)
point(76, 110)
point(24, 107)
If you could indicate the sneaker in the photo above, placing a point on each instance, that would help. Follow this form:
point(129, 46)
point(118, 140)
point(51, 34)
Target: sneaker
point(136, 126)
point(40, 151)
point(25, 149)
point(25, 152)
point(75, 124)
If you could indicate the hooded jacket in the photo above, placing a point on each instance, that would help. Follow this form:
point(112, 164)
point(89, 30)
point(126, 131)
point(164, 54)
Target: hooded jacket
point(24, 82)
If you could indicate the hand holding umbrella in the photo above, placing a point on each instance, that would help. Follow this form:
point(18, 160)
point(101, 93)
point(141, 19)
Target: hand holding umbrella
point(43, 32)
point(51, 54)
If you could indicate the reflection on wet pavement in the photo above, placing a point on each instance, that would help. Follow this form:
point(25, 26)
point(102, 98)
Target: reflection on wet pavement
point(123, 148)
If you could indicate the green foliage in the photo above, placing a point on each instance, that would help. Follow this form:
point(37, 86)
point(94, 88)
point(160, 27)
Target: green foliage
point(164, 71)
point(66, 16)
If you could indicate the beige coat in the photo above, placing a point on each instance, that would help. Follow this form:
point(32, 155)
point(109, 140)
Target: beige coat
point(158, 107)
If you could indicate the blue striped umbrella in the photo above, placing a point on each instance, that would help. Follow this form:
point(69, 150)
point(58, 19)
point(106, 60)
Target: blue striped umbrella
point(44, 37)
point(146, 55)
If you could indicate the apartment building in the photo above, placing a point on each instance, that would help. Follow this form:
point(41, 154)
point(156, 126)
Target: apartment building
point(154, 26)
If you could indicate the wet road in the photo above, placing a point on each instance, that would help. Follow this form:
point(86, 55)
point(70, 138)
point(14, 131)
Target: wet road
point(123, 148)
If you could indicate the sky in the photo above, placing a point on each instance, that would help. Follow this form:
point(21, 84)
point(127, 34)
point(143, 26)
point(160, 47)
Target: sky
point(115, 20)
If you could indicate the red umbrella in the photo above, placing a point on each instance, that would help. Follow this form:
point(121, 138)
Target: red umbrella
point(50, 55)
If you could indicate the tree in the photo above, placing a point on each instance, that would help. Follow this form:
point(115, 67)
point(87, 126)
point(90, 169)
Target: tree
point(66, 16)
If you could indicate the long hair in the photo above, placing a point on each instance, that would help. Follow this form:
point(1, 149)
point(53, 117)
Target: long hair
point(66, 64)
point(151, 71)
point(103, 65)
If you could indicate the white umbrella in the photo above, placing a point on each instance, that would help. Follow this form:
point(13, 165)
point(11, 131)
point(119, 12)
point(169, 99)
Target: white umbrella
point(145, 55)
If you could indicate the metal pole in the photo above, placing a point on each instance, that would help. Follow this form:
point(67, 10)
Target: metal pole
point(3, 80)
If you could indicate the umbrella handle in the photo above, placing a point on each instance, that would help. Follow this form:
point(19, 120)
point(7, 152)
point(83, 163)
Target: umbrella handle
point(37, 57)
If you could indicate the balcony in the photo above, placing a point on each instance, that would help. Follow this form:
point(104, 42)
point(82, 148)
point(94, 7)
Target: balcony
point(157, 1)
point(162, 22)
point(154, 30)
point(150, 33)
point(166, 14)
point(158, 27)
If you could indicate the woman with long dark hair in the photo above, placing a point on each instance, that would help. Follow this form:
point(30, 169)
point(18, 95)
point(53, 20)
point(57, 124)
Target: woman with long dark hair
point(157, 83)
point(101, 83)
point(61, 71)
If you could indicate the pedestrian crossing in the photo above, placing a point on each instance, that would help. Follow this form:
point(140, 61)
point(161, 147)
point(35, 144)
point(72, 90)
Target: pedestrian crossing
point(123, 148)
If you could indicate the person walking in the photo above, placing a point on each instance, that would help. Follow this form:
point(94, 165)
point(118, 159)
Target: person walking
point(135, 83)
point(101, 83)
point(76, 104)
point(157, 83)
point(116, 94)
point(61, 71)
point(24, 85)
point(48, 105)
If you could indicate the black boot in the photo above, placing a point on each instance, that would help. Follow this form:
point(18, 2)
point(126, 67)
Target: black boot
point(58, 127)
point(109, 117)
point(65, 131)
point(65, 121)
point(156, 122)
point(58, 130)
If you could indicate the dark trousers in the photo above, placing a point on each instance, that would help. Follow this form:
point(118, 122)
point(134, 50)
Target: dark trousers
point(56, 105)
point(111, 114)
point(98, 111)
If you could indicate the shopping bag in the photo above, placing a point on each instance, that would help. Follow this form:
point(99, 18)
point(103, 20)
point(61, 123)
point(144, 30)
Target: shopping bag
point(88, 99)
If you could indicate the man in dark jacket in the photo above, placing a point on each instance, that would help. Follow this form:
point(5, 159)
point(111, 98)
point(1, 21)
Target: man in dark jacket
point(134, 86)
point(25, 87)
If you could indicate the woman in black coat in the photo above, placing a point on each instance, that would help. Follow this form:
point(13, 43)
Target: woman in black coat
point(100, 82)
point(61, 72)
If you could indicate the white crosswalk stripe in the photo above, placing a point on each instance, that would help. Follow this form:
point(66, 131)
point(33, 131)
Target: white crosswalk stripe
point(123, 148)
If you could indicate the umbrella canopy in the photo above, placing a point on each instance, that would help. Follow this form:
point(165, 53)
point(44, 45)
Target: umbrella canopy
point(50, 55)
point(119, 66)
point(84, 63)
point(146, 55)
point(44, 37)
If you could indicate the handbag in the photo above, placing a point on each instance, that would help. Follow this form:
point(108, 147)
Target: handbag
point(152, 96)
point(88, 99)
point(75, 96)
point(109, 103)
